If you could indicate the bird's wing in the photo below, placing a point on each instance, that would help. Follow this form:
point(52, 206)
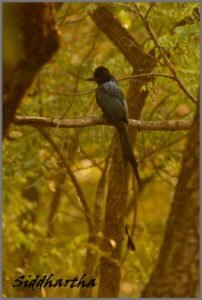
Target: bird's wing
point(111, 100)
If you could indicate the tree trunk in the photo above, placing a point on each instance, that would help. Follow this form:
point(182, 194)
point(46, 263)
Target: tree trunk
point(114, 221)
point(92, 254)
point(177, 270)
point(30, 38)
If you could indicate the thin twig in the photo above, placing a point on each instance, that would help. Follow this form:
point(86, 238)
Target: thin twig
point(119, 79)
point(157, 106)
point(160, 148)
point(150, 7)
point(68, 108)
point(61, 20)
point(88, 213)
point(74, 21)
point(93, 161)
point(70, 215)
point(122, 5)
point(146, 75)
point(72, 94)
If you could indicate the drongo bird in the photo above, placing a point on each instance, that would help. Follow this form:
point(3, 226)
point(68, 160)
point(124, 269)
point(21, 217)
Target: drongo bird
point(110, 98)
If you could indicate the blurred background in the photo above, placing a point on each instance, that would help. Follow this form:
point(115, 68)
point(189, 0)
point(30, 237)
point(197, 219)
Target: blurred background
point(44, 226)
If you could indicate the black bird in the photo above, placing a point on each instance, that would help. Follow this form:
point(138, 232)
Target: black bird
point(110, 98)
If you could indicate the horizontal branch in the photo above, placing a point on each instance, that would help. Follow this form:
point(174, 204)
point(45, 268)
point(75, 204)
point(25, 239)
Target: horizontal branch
point(172, 125)
point(146, 75)
point(132, 77)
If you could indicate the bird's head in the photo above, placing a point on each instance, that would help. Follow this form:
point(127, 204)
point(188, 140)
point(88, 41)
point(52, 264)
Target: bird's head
point(101, 75)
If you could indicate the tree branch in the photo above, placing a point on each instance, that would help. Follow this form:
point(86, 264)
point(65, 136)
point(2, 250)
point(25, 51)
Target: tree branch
point(79, 191)
point(166, 125)
point(132, 77)
point(164, 55)
point(116, 32)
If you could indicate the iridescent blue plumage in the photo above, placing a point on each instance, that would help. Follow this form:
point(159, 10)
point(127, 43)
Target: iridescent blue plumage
point(111, 100)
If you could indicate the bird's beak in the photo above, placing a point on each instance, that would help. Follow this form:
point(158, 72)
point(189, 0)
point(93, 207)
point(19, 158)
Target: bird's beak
point(91, 79)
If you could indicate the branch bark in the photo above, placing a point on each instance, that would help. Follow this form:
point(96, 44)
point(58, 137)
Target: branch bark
point(167, 125)
point(121, 38)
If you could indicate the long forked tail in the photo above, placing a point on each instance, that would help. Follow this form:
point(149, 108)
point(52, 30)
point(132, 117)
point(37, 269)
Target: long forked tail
point(128, 150)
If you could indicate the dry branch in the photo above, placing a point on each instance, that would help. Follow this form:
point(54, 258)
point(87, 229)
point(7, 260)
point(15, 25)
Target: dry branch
point(166, 125)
